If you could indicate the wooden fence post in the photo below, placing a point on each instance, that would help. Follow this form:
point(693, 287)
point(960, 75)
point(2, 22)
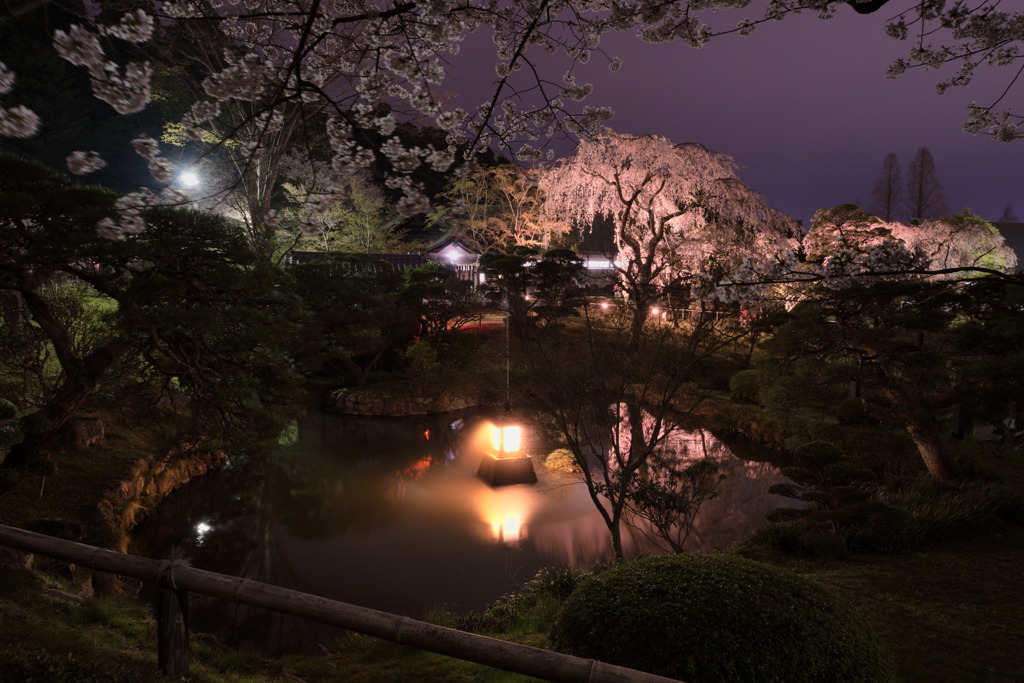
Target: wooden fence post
point(172, 644)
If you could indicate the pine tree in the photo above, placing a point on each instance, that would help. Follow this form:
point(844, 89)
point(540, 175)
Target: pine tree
point(887, 199)
point(924, 191)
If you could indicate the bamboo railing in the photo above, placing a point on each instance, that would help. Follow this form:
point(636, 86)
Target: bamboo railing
point(175, 581)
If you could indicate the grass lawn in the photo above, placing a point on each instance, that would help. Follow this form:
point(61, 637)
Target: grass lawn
point(949, 613)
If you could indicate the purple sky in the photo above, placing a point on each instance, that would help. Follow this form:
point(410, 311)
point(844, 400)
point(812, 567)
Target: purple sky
point(805, 108)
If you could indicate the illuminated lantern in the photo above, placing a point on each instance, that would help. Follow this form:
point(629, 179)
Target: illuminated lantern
point(505, 463)
point(505, 438)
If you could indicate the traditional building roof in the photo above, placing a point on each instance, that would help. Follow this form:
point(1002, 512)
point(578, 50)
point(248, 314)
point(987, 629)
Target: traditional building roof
point(452, 250)
point(395, 261)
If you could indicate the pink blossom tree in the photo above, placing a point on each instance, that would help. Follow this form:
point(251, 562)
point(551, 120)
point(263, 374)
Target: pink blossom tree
point(845, 243)
point(957, 243)
point(681, 214)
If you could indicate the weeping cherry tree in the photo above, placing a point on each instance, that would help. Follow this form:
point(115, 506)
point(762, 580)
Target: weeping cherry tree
point(682, 217)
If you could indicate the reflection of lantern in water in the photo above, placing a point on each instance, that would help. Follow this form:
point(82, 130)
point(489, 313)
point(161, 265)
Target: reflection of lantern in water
point(505, 511)
point(509, 530)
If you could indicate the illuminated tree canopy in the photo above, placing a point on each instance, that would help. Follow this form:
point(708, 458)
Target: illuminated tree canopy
point(680, 212)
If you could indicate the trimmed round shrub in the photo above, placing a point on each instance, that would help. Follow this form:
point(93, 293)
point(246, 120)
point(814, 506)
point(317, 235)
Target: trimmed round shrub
point(745, 386)
point(703, 618)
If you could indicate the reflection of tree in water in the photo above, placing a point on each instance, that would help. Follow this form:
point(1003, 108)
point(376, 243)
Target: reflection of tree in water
point(740, 506)
point(350, 477)
point(741, 499)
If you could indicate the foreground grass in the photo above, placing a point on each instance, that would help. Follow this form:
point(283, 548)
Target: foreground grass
point(948, 613)
point(47, 636)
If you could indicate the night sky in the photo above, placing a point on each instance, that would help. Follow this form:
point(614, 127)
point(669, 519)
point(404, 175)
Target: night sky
point(805, 108)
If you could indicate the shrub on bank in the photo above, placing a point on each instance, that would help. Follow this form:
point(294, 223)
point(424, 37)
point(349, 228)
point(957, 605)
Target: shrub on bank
point(703, 618)
point(531, 607)
point(745, 386)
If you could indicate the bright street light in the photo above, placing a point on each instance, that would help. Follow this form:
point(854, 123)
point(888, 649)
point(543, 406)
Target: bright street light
point(189, 178)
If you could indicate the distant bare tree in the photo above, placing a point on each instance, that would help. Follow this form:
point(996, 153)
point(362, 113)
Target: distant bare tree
point(924, 190)
point(887, 199)
point(1009, 215)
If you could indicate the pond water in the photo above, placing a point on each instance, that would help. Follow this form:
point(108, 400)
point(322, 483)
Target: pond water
point(388, 513)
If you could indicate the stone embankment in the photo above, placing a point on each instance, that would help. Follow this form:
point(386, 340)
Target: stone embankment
point(147, 481)
point(130, 496)
point(392, 405)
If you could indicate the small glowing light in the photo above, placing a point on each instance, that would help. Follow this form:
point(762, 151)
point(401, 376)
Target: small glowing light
point(655, 310)
point(189, 179)
point(203, 528)
point(604, 305)
point(506, 439)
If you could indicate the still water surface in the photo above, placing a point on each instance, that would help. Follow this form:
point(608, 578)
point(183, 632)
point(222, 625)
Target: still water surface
point(388, 513)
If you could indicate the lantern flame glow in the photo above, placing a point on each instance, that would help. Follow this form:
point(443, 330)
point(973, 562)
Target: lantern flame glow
point(505, 438)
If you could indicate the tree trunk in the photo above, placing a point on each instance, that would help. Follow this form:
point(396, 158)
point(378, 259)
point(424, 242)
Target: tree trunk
point(51, 417)
point(940, 465)
point(63, 405)
point(617, 554)
point(935, 456)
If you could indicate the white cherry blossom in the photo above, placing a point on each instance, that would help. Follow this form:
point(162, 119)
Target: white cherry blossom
point(81, 163)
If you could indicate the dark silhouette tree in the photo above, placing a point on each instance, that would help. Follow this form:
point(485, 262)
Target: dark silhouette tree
point(616, 398)
point(887, 199)
point(924, 191)
point(1009, 215)
point(190, 308)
